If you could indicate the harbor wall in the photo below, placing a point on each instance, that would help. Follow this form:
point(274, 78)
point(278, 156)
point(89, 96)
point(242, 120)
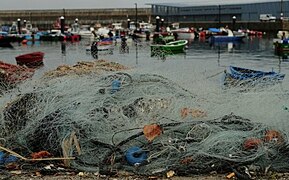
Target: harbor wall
point(44, 19)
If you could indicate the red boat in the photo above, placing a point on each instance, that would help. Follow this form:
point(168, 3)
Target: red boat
point(31, 59)
point(13, 74)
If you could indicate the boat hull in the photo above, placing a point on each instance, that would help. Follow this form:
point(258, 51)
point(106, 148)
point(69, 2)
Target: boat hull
point(242, 76)
point(30, 59)
point(243, 73)
point(216, 39)
point(281, 48)
point(174, 47)
point(186, 35)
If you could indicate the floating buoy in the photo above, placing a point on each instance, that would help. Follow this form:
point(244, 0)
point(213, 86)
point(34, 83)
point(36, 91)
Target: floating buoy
point(24, 41)
point(202, 34)
point(135, 155)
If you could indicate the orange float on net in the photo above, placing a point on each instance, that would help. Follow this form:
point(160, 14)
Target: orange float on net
point(252, 143)
point(152, 131)
point(273, 136)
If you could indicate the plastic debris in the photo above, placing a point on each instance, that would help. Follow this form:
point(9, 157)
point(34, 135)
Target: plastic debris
point(115, 86)
point(170, 174)
point(231, 175)
point(135, 155)
point(5, 159)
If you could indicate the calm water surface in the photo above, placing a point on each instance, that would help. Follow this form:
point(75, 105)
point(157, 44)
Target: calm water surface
point(199, 70)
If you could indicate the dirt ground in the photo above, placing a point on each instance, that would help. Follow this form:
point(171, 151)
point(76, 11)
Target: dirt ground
point(90, 176)
point(77, 177)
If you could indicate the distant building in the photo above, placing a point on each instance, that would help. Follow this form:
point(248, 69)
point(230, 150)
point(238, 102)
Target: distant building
point(214, 11)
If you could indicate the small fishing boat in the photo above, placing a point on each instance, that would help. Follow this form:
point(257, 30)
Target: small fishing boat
point(281, 46)
point(33, 59)
point(224, 38)
point(241, 76)
point(5, 42)
point(173, 47)
point(103, 45)
point(185, 33)
point(105, 41)
point(97, 48)
point(243, 73)
point(161, 38)
point(224, 35)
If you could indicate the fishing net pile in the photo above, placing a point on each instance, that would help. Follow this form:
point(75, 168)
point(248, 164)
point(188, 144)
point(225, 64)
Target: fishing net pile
point(11, 74)
point(141, 123)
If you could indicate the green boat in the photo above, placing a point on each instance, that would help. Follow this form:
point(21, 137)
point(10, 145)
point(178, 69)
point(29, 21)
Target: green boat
point(281, 47)
point(164, 39)
point(173, 47)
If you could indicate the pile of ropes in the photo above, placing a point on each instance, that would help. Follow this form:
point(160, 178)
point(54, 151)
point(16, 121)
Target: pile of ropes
point(105, 115)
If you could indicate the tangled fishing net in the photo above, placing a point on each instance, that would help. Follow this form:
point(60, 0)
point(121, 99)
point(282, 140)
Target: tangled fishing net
point(11, 75)
point(142, 123)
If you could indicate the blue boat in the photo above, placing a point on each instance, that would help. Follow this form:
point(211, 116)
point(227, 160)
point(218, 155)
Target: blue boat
point(243, 73)
point(241, 76)
point(224, 35)
point(224, 38)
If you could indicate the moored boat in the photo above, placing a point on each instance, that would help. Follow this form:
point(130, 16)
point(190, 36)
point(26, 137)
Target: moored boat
point(281, 46)
point(241, 76)
point(173, 47)
point(33, 59)
point(4, 42)
point(185, 33)
point(163, 38)
point(243, 73)
point(224, 35)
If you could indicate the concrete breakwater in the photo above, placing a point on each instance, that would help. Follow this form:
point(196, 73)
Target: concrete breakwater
point(44, 19)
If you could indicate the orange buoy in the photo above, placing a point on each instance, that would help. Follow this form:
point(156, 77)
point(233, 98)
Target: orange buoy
point(252, 143)
point(273, 136)
point(24, 41)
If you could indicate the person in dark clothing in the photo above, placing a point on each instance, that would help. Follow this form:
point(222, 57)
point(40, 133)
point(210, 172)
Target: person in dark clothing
point(110, 34)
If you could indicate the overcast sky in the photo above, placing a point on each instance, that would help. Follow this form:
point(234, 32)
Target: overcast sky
point(92, 4)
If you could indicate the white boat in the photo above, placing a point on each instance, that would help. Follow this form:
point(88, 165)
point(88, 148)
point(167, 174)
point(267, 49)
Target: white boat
point(144, 26)
point(184, 33)
point(85, 31)
point(117, 29)
point(282, 34)
point(103, 31)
